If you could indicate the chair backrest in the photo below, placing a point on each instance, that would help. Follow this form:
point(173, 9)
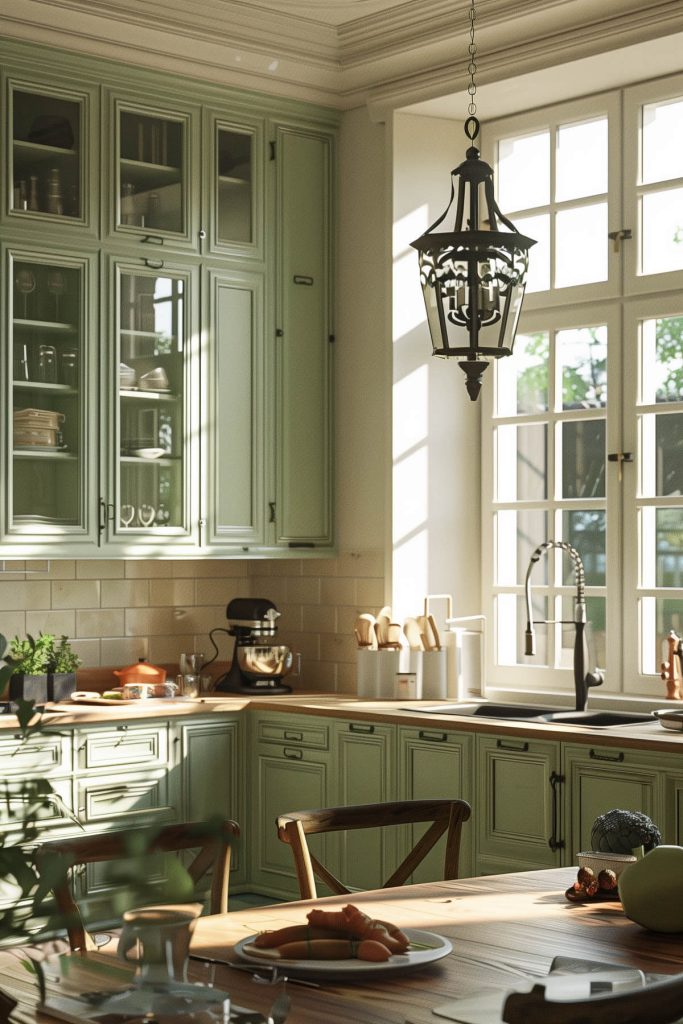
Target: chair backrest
point(445, 816)
point(212, 839)
point(659, 1003)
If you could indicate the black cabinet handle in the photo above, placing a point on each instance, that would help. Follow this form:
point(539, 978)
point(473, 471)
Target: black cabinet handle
point(293, 755)
point(556, 781)
point(293, 736)
point(367, 730)
point(433, 737)
point(517, 747)
point(606, 757)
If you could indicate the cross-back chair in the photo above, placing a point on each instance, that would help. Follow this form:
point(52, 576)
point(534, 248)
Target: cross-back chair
point(212, 839)
point(445, 816)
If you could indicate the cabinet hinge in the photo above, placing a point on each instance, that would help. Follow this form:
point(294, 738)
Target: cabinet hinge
point(331, 338)
point(272, 150)
point(279, 333)
point(271, 507)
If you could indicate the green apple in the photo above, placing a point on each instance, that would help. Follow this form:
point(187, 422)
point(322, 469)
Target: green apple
point(651, 890)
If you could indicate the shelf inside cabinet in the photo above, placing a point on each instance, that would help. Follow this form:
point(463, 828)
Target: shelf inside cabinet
point(138, 460)
point(62, 390)
point(42, 453)
point(141, 173)
point(154, 396)
point(27, 153)
point(228, 180)
point(44, 325)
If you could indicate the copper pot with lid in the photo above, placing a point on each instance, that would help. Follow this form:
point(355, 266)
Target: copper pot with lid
point(142, 672)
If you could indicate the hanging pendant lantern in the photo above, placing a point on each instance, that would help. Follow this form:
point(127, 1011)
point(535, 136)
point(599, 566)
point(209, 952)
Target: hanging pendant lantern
point(473, 279)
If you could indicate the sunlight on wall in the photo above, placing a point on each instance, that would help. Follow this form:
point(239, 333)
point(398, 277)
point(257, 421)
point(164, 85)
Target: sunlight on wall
point(411, 491)
point(408, 304)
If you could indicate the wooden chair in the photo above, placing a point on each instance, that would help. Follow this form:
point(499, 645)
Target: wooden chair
point(214, 840)
point(659, 1003)
point(445, 816)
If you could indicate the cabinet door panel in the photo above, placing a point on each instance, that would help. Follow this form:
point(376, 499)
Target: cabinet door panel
point(364, 772)
point(601, 779)
point(234, 186)
point(436, 765)
point(516, 809)
point(236, 409)
point(303, 427)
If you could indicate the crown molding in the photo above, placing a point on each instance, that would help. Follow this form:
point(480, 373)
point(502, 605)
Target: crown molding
point(409, 52)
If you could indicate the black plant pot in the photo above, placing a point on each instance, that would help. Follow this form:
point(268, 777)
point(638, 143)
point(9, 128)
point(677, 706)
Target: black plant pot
point(53, 686)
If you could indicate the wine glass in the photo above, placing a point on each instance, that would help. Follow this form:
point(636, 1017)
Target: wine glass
point(127, 514)
point(26, 283)
point(56, 285)
point(146, 515)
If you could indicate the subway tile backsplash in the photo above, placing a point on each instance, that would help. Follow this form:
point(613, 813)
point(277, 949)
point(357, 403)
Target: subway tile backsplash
point(118, 611)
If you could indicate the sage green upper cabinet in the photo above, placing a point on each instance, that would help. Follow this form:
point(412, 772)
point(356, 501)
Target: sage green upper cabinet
point(517, 806)
point(155, 198)
point(234, 402)
point(152, 493)
point(599, 779)
point(49, 422)
point(51, 147)
point(303, 426)
point(234, 186)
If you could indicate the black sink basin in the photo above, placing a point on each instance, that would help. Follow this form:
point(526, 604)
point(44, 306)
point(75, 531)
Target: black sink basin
point(597, 719)
point(534, 713)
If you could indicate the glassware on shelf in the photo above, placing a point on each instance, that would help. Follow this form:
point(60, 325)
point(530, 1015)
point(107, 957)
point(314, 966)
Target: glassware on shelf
point(20, 197)
point(25, 282)
point(68, 367)
point(46, 369)
point(33, 200)
point(56, 285)
point(21, 367)
point(146, 515)
point(127, 514)
point(127, 203)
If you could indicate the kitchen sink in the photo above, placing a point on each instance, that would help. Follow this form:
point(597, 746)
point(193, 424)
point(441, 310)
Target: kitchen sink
point(544, 715)
point(597, 719)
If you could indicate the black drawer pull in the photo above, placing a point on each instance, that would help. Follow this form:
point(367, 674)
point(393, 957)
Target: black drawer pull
point(433, 737)
point(122, 728)
point(153, 240)
point(517, 747)
point(606, 757)
point(293, 755)
point(294, 736)
point(367, 730)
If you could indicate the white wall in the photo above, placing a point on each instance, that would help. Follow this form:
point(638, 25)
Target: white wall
point(436, 441)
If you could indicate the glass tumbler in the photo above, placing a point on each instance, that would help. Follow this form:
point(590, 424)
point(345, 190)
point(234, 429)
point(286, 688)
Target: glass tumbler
point(47, 364)
point(190, 664)
point(68, 368)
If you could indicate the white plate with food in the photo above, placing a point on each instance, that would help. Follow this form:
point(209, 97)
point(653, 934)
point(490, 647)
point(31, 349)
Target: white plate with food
point(425, 948)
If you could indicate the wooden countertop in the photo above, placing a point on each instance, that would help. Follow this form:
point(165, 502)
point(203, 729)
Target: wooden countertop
point(642, 736)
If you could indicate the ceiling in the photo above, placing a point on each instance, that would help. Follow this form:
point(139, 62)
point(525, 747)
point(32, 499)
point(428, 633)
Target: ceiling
point(385, 54)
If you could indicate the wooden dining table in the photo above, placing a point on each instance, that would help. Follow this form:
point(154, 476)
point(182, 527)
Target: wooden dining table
point(502, 928)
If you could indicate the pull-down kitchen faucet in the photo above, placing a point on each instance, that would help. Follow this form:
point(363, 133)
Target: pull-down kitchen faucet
point(582, 679)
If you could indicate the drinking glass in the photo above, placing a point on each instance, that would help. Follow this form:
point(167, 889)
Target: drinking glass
point(190, 664)
point(68, 370)
point(56, 285)
point(47, 364)
point(146, 514)
point(26, 283)
point(127, 514)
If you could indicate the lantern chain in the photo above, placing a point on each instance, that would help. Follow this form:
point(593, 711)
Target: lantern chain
point(472, 66)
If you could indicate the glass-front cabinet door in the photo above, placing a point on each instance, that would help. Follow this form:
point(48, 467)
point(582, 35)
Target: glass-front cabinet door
point(49, 420)
point(50, 155)
point(154, 196)
point(155, 417)
point(235, 187)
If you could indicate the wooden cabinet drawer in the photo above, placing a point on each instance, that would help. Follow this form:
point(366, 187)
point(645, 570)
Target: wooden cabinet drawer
point(121, 747)
point(147, 796)
point(43, 755)
point(298, 733)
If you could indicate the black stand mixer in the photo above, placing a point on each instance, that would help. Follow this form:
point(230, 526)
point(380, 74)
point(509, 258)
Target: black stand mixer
point(258, 665)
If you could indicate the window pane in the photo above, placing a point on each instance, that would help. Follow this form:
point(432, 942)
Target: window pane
point(581, 245)
point(510, 627)
point(522, 456)
point(581, 160)
point(662, 132)
point(669, 547)
point(524, 172)
point(583, 459)
point(658, 616)
point(582, 356)
point(518, 533)
point(662, 231)
point(538, 277)
point(585, 531)
point(662, 360)
point(669, 434)
point(523, 380)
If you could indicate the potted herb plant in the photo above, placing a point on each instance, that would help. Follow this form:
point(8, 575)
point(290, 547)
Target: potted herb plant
point(39, 669)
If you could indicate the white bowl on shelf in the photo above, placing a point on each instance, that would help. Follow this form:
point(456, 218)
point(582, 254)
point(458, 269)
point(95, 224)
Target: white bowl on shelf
point(149, 453)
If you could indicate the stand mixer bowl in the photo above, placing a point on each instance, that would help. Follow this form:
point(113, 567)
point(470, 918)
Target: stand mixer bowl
point(264, 662)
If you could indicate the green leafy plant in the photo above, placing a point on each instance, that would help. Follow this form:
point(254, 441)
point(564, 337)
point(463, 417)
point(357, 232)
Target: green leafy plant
point(37, 656)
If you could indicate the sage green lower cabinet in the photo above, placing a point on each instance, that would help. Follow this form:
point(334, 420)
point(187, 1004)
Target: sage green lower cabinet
point(516, 808)
point(210, 760)
point(435, 764)
point(672, 817)
point(599, 779)
point(363, 772)
point(290, 770)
